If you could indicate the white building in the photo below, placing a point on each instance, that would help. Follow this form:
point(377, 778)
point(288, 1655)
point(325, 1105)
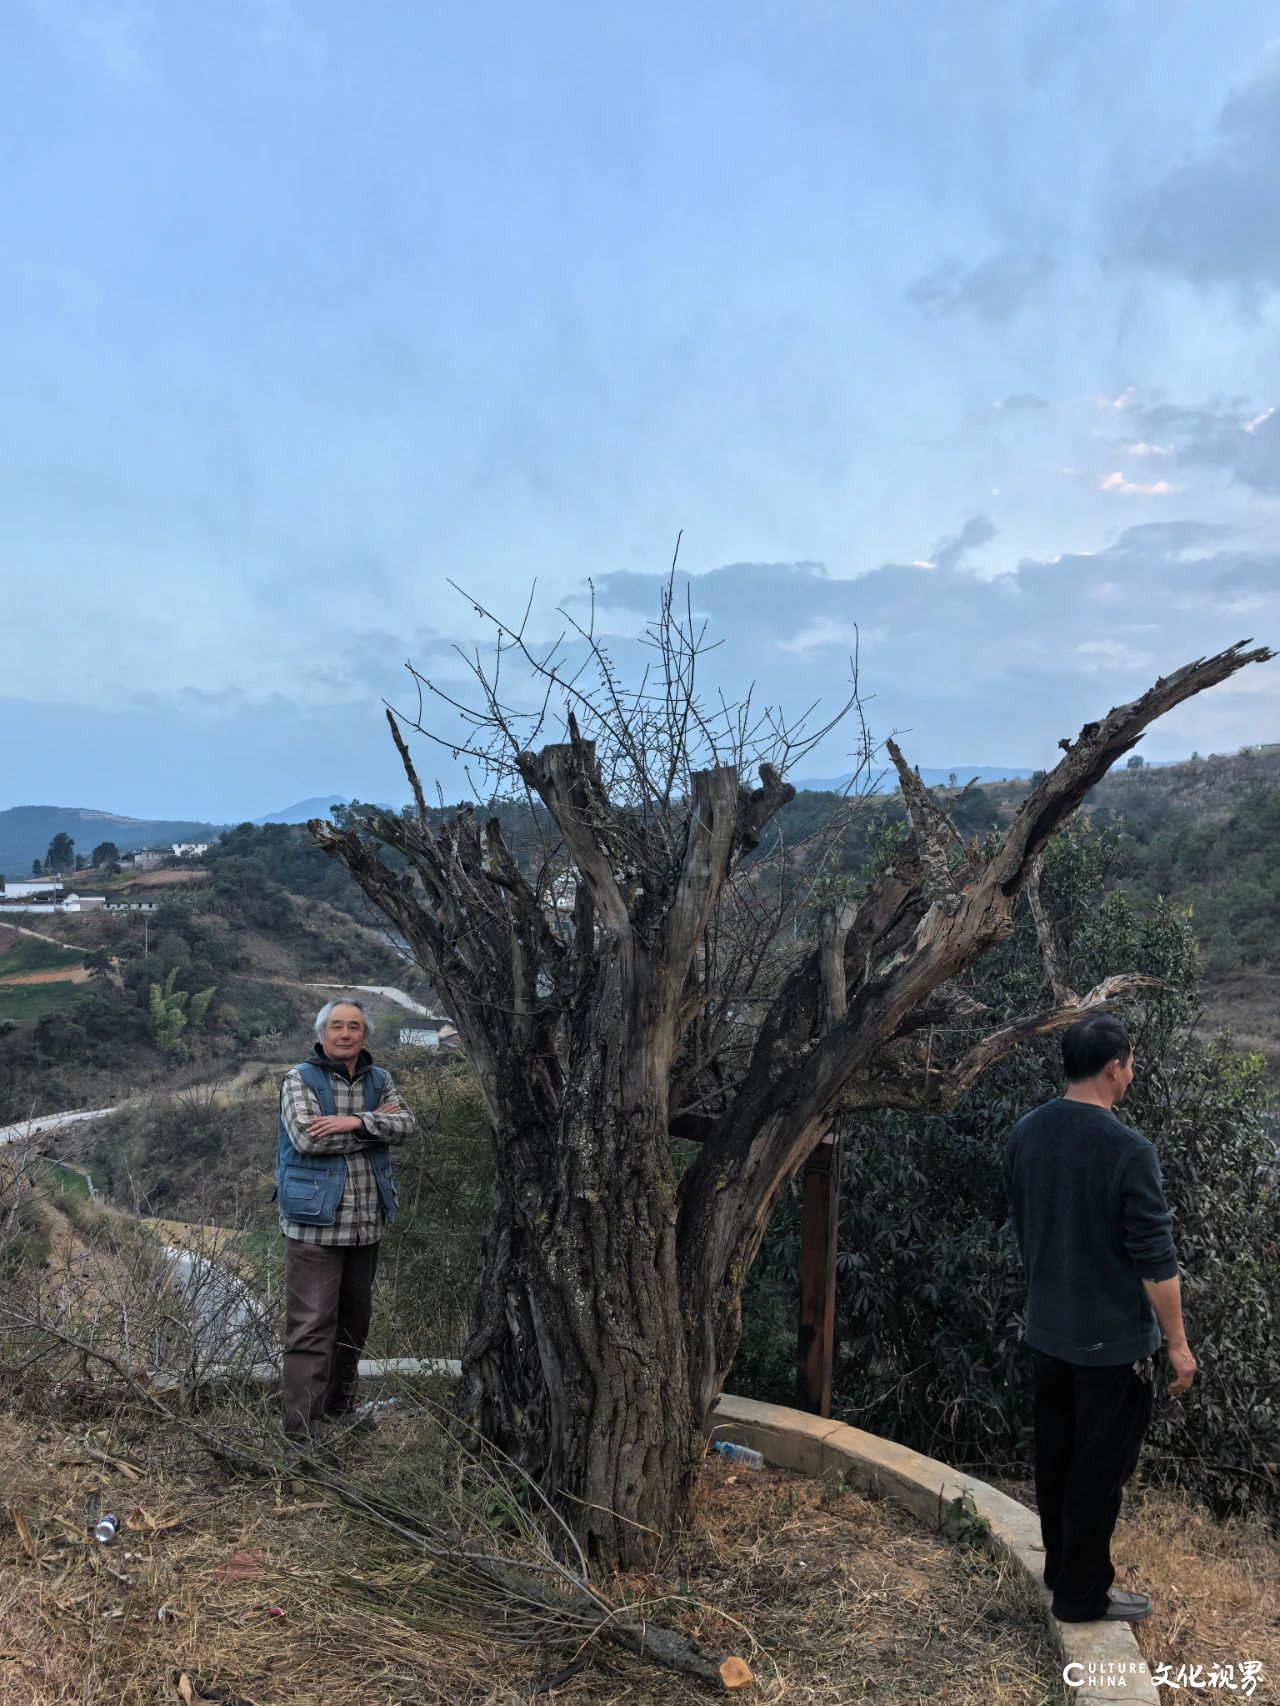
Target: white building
point(146, 859)
point(432, 1033)
point(189, 849)
point(420, 1036)
point(32, 888)
point(84, 903)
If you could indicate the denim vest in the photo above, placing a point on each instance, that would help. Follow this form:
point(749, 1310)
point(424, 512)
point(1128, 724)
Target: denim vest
point(309, 1187)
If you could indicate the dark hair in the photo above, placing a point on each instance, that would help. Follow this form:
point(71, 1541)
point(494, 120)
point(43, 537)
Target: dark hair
point(1091, 1043)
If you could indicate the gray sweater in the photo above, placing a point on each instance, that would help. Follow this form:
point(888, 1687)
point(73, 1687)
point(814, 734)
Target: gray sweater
point(1088, 1210)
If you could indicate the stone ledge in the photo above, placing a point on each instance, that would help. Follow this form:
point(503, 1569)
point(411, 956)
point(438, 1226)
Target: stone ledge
point(1107, 1655)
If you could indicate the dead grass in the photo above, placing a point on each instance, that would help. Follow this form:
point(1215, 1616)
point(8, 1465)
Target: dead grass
point(69, 974)
point(270, 1595)
point(1214, 1586)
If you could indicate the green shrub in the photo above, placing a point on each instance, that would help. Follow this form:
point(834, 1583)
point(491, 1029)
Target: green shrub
point(929, 1285)
point(25, 1246)
point(431, 1258)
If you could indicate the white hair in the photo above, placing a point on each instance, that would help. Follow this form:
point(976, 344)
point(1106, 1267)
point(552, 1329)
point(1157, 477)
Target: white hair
point(342, 1001)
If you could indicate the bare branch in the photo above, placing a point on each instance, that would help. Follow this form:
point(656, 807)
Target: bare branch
point(407, 761)
point(895, 1079)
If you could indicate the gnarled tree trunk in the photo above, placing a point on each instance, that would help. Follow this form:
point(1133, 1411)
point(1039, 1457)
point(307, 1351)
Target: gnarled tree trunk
point(609, 1309)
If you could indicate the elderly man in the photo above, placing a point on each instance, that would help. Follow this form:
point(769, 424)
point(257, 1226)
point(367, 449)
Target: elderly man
point(1088, 1208)
point(338, 1114)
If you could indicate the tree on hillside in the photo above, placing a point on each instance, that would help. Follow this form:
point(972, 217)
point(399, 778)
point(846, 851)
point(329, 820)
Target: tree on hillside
point(639, 980)
point(62, 853)
point(106, 853)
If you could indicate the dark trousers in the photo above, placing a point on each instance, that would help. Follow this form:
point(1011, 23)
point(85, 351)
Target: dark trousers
point(1090, 1424)
point(328, 1293)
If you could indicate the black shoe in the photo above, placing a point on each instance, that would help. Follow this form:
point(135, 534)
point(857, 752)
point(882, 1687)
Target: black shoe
point(358, 1420)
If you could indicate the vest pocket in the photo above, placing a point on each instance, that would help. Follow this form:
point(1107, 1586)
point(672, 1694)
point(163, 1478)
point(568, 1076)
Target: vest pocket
point(302, 1196)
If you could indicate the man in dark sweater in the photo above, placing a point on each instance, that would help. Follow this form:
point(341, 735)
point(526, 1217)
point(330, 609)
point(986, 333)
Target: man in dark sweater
point(1088, 1208)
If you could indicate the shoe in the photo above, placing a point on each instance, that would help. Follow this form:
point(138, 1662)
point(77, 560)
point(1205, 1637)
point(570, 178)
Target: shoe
point(1122, 1607)
point(1126, 1607)
point(360, 1420)
point(296, 1455)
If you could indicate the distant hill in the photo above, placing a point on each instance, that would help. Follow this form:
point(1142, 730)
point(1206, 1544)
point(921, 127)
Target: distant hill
point(931, 777)
point(317, 806)
point(26, 831)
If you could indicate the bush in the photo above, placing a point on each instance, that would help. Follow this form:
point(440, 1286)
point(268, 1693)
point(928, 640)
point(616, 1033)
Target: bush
point(24, 1240)
point(431, 1259)
point(929, 1285)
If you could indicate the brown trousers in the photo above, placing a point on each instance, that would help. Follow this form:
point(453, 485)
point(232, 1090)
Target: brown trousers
point(328, 1293)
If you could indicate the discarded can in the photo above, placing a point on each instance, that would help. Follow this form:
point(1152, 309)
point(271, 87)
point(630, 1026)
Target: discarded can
point(742, 1454)
point(106, 1528)
point(375, 1407)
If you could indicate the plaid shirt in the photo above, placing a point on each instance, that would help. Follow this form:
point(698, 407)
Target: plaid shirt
point(359, 1218)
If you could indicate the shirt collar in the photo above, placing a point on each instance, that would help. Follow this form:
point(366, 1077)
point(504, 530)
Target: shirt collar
point(364, 1060)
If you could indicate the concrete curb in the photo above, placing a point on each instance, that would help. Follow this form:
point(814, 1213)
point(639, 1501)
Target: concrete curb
point(1106, 1656)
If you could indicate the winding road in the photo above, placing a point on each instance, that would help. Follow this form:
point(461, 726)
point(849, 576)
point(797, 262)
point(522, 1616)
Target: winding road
point(50, 1122)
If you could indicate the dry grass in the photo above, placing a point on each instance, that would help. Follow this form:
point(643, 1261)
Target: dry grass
point(70, 974)
point(1214, 1586)
point(273, 1595)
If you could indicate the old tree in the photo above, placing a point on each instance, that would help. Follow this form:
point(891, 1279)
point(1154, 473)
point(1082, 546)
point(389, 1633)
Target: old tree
point(638, 956)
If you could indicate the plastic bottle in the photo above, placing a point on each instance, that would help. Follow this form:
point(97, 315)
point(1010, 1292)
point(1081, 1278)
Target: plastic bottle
point(740, 1454)
point(106, 1528)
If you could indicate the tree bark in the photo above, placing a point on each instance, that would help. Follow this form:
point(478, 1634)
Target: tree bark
point(575, 1367)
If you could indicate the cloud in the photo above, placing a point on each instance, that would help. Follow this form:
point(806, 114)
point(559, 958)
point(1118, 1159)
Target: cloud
point(979, 530)
point(1213, 219)
point(1170, 538)
point(1231, 433)
point(995, 290)
point(990, 669)
point(948, 553)
point(1129, 488)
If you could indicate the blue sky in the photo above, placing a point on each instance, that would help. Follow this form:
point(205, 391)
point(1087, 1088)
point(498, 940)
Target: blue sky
point(957, 323)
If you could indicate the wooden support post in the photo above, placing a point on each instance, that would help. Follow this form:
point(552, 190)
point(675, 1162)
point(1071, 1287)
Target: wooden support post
point(819, 1224)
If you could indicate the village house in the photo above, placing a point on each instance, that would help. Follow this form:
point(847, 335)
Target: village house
point(31, 888)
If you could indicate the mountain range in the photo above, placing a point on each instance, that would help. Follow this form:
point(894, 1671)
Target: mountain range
point(317, 806)
point(931, 776)
point(26, 831)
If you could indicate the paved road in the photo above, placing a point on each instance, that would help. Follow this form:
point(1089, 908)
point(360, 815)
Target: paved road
point(384, 989)
point(50, 1122)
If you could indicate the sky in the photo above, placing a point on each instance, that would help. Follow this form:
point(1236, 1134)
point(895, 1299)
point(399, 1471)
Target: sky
point(954, 326)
